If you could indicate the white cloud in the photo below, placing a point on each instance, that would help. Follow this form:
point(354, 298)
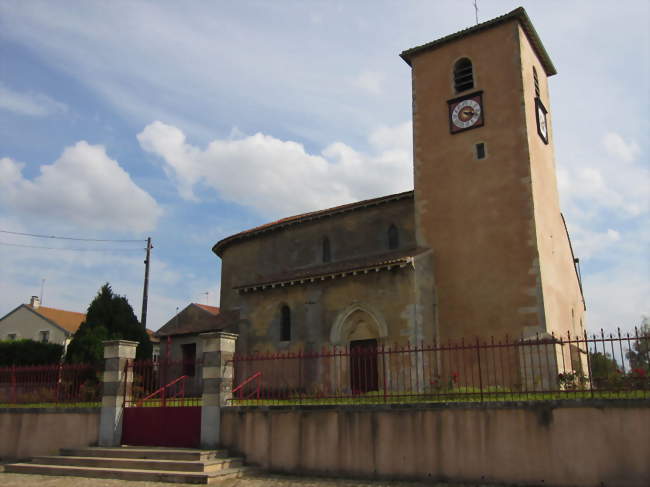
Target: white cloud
point(592, 243)
point(617, 297)
point(30, 104)
point(370, 82)
point(617, 147)
point(277, 177)
point(85, 187)
point(594, 183)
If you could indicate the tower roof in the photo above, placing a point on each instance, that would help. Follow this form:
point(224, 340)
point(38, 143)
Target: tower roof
point(518, 14)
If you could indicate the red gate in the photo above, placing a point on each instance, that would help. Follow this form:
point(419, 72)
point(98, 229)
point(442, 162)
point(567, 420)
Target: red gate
point(164, 404)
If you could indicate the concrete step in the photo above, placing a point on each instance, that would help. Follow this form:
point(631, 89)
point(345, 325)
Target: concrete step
point(126, 474)
point(141, 464)
point(154, 453)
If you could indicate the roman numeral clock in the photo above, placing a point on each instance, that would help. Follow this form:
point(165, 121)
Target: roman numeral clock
point(466, 112)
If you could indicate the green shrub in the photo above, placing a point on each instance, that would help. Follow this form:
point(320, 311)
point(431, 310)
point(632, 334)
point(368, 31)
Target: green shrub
point(29, 352)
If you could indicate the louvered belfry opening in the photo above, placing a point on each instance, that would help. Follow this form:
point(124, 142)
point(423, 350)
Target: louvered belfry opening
point(463, 75)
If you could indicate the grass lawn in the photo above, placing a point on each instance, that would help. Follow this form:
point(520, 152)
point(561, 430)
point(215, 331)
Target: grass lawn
point(377, 397)
point(453, 396)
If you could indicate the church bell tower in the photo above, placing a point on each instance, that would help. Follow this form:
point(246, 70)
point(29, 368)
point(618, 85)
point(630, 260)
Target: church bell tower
point(486, 198)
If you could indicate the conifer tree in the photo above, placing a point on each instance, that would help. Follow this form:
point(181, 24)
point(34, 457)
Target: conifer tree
point(109, 317)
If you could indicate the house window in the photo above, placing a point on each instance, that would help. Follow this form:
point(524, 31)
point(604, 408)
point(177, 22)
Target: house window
point(393, 237)
point(327, 253)
point(285, 324)
point(44, 336)
point(463, 75)
point(536, 81)
point(11, 336)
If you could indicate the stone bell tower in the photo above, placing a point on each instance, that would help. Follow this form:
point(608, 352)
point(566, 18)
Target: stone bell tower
point(486, 198)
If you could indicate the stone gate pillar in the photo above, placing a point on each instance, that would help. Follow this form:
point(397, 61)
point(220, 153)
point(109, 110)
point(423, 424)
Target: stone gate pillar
point(218, 351)
point(116, 353)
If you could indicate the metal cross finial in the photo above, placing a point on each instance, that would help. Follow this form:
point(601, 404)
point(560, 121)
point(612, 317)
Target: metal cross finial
point(476, 12)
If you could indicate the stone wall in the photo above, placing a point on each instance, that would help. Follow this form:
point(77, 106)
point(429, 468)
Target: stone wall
point(588, 443)
point(28, 432)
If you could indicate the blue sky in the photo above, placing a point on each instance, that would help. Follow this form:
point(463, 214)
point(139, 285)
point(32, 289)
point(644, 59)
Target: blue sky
point(190, 121)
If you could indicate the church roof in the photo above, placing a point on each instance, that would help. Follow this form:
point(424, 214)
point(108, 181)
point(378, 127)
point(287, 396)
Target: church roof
point(220, 246)
point(334, 270)
point(518, 14)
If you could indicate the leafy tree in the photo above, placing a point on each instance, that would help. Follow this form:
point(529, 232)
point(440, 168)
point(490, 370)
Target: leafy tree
point(109, 317)
point(639, 353)
point(29, 352)
point(604, 368)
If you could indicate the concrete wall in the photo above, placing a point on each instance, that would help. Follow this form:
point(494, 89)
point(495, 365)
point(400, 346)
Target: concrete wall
point(27, 325)
point(581, 445)
point(25, 433)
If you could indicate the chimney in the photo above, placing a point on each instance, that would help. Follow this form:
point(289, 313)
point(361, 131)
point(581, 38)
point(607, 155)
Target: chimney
point(35, 302)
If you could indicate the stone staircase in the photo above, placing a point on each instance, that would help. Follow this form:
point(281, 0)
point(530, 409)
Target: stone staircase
point(177, 465)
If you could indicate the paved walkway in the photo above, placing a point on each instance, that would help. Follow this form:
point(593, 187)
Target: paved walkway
point(21, 480)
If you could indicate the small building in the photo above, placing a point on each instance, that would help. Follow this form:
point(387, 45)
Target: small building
point(40, 323)
point(180, 343)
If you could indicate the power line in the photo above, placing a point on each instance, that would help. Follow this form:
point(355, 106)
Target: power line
point(69, 238)
point(75, 250)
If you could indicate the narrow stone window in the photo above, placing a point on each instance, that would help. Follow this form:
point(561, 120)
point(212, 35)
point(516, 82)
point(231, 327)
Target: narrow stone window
point(536, 81)
point(480, 150)
point(327, 253)
point(393, 237)
point(285, 324)
point(463, 75)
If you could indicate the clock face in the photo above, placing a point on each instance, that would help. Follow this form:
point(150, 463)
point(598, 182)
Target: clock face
point(542, 122)
point(465, 113)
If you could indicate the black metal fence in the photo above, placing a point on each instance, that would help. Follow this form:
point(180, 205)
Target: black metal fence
point(535, 368)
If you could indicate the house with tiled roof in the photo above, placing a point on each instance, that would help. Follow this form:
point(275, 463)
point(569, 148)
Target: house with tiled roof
point(40, 323)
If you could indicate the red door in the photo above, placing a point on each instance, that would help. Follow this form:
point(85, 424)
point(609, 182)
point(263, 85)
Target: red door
point(363, 366)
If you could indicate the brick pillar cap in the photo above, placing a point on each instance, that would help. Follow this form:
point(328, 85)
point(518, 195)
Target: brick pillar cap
point(119, 348)
point(125, 343)
point(219, 334)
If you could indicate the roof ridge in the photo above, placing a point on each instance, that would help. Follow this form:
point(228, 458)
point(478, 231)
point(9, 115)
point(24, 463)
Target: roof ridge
point(519, 14)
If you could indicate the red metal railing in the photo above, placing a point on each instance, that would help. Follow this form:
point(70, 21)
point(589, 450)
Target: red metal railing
point(238, 391)
point(538, 368)
point(163, 383)
point(174, 390)
point(50, 385)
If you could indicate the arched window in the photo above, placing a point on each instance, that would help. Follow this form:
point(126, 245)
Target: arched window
point(327, 253)
point(393, 237)
point(536, 81)
point(285, 323)
point(463, 75)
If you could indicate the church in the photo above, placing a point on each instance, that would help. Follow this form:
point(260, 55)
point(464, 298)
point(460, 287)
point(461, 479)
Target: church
point(479, 248)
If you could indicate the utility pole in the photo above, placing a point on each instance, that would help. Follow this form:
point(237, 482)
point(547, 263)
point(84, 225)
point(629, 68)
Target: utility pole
point(145, 292)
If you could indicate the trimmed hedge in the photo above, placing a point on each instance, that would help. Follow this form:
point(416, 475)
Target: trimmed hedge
point(29, 352)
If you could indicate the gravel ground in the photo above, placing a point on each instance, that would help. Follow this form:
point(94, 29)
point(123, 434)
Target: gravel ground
point(257, 480)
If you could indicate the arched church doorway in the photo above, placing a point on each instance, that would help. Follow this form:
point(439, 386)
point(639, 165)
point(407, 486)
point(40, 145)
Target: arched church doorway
point(363, 366)
point(361, 332)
